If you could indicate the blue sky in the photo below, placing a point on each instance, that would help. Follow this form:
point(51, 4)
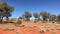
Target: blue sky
point(52, 6)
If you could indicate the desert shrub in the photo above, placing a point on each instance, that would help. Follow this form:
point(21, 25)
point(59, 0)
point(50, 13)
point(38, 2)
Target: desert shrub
point(18, 22)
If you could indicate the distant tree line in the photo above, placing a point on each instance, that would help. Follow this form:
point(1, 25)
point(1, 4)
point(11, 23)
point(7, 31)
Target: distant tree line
point(44, 14)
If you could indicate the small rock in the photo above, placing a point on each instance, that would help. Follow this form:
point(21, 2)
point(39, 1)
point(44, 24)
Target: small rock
point(42, 31)
point(7, 29)
point(58, 28)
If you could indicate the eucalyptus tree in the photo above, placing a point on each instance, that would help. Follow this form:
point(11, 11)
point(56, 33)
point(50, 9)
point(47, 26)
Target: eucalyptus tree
point(36, 16)
point(1, 15)
point(20, 17)
point(27, 15)
point(52, 17)
point(45, 15)
point(59, 17)
point(5, 10)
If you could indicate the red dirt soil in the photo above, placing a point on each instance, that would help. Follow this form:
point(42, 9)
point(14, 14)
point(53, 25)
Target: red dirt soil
point(29, 28)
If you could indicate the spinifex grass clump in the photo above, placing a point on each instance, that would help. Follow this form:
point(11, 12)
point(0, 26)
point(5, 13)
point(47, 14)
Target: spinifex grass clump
point(12, 29)
point(8, 29)
point(46, 28)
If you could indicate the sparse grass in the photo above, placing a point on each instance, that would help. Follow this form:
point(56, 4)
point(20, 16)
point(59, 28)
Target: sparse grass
point(40, 27)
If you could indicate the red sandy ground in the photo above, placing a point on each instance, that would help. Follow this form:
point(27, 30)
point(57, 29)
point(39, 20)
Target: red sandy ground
point(27, 29)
